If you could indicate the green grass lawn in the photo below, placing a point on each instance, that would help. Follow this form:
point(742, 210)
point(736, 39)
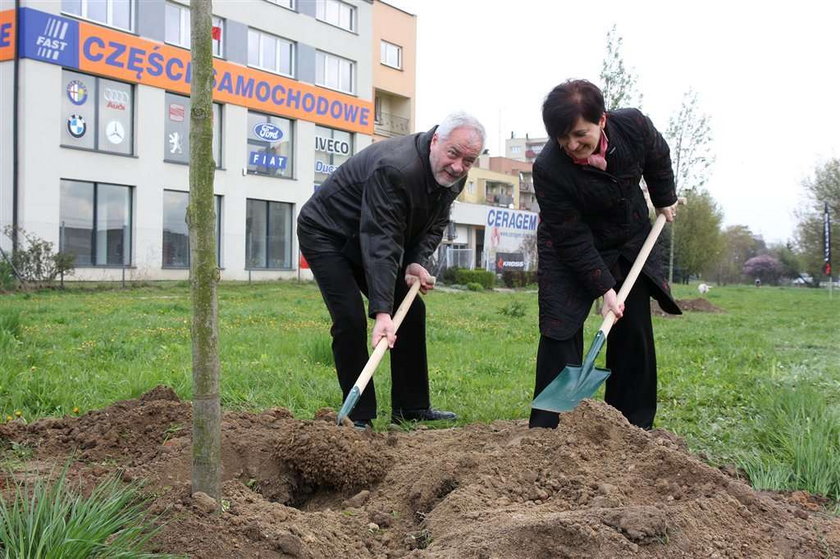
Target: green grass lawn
point(756, 385)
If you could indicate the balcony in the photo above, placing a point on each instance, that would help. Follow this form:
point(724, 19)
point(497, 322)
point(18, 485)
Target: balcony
point(390, 125)
point(500, 200)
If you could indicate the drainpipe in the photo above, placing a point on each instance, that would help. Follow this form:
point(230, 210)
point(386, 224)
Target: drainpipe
point(15, 128)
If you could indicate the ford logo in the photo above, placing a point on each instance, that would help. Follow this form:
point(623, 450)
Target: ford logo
point(268, 132)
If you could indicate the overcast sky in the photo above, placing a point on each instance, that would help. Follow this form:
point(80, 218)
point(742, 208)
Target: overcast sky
point(766, 73)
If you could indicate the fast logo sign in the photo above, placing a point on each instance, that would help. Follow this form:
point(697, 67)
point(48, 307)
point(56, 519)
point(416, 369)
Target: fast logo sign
point(49, 38)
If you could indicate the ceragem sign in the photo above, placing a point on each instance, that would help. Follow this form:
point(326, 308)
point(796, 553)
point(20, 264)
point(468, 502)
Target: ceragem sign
point(90, 48)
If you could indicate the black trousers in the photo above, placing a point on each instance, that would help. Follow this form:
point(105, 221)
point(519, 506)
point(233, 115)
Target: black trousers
point(342, 283)
point(631, 356)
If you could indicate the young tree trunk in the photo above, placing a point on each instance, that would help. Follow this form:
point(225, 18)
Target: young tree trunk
point(204, 272)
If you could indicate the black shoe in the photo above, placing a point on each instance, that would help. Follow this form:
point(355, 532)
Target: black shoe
point(428, 414)
point(363, 424)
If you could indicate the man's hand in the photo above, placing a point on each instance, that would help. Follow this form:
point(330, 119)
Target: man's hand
point(670, 212)
point(383, 328)
point(611, 304)
point(427, 282)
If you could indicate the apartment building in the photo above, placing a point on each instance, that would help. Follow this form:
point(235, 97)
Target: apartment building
point(394, 71)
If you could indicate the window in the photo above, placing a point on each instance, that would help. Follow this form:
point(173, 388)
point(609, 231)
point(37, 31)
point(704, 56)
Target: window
point(390, 55)
point(95, 223)
point(332, 148)
point(336, 13)
point(270, 145)
point(272, 53)
point(115, 13)
point(268, 234)
point(177, 28)
point(334, 72)
point(176, 235)
point(285, 3)
point(97, 113)
point(176, 130)
point(377, 110)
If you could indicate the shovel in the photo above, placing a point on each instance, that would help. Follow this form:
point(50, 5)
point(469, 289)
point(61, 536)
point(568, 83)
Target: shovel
point(573, 384)
point(378, 352)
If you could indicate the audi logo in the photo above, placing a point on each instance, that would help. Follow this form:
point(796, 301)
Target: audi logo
point(116, 96)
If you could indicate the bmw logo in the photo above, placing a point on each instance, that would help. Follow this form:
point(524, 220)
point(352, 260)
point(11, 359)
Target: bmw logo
point(77, 92)
point(76, 126)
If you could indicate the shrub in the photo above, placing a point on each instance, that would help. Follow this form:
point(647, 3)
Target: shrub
point(449, 275)
point(7, 276)
point(475, 286)
point(35, 262)
point(518, 278)
point(483, 277)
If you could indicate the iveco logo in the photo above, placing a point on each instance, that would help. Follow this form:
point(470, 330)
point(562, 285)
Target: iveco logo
point(116, 98)
point(268, 132)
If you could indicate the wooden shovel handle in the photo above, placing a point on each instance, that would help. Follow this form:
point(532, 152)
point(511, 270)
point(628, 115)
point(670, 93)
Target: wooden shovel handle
point(382, 345)
point(635, 270)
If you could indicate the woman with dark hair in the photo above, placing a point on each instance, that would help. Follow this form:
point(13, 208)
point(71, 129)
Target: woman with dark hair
point(593, 222)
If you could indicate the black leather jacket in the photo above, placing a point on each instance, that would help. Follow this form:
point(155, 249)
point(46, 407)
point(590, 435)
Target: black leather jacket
point(590, 218)
point(383, 209)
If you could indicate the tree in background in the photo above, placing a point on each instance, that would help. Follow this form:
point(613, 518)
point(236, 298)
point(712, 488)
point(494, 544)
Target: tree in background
point(204, 270)
point(823, 187)
point(763, 267)
point(788, 260)
point(696, 234)
point(617, 83)
point(739, 244)
point(689, 137)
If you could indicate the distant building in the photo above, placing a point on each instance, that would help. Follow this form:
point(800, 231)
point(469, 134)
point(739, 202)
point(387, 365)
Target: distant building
point(394, 73)
point(524, 149)
point(522, 169)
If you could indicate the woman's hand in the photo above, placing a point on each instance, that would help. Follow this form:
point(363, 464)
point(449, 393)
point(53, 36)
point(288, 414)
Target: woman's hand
point(611, 304)
point(670, 212)
point(383, 328)
point(427, 282)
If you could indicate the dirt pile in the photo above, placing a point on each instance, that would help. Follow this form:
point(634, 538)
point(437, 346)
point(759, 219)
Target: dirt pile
point(595, 487)
point(698, 304)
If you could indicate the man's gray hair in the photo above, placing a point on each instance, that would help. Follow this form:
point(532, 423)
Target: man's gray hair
point(460, 119)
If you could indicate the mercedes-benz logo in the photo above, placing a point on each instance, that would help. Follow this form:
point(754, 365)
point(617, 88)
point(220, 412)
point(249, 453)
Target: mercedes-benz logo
point(115, 132)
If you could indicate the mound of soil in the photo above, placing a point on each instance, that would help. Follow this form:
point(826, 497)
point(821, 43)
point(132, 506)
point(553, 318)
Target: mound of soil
point(595, 487)
point(686, 305)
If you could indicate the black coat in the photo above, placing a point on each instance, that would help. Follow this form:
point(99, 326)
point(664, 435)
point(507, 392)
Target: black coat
point(384, 210)
point(590, 218)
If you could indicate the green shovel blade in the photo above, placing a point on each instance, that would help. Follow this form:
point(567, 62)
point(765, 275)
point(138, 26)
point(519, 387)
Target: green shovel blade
point(349, 404)
point(571, 386)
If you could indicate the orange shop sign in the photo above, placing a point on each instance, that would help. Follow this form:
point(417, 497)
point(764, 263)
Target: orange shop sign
point(98, 50)
point(7, 35)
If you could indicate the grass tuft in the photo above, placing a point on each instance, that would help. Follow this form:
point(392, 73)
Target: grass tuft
point(49, 520)
point(797, 436)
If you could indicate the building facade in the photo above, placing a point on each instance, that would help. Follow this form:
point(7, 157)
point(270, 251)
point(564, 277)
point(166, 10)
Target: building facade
point(524, 149)
point(394, 71)
point(95, 158)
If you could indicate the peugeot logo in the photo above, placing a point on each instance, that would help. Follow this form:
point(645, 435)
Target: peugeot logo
point(116, 96)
